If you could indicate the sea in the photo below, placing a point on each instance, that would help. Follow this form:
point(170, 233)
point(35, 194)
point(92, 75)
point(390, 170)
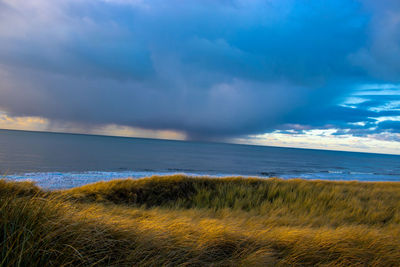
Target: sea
point(59, 160)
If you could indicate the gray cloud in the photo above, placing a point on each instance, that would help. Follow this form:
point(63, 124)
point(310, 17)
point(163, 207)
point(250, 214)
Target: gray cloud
point(210, 69)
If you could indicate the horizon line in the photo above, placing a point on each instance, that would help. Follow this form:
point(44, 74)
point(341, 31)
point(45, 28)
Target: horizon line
point(198, 141)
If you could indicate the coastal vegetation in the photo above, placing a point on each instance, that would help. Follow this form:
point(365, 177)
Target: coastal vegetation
point(184, 221)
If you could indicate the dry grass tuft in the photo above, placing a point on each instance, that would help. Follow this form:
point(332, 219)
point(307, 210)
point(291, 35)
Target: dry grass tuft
point(182, 221)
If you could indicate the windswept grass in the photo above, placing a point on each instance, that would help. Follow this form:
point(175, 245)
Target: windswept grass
point(181, 221)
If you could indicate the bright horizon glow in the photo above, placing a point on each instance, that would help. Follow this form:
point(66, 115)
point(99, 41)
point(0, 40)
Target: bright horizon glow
point(43, 125)
point(313, 139)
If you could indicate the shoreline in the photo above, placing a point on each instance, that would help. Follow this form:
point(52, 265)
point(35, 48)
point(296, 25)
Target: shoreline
point(65, 180)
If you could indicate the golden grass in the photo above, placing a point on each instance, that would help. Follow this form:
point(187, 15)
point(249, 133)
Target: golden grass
point(181, 221)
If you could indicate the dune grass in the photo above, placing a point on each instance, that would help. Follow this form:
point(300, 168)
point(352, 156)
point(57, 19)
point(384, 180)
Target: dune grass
point(182, 221)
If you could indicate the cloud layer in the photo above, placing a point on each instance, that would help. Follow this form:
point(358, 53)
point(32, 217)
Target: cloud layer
point(208, 69)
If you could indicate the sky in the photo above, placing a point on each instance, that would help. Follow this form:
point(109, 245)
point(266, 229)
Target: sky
point(311, 74)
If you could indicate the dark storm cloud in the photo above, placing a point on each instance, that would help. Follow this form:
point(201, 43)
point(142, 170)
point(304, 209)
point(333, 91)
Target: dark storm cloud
point(380, 55)
point(206, 68)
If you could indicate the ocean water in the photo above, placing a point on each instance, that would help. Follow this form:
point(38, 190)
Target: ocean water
point(55, 160)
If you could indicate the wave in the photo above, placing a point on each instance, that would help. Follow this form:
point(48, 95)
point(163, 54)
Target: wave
point(64, 180)
point(337, 172)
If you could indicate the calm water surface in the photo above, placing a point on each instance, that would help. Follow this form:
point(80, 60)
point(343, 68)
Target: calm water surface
point(67, 160)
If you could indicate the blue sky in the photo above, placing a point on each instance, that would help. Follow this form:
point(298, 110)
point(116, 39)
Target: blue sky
point(315, 74)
